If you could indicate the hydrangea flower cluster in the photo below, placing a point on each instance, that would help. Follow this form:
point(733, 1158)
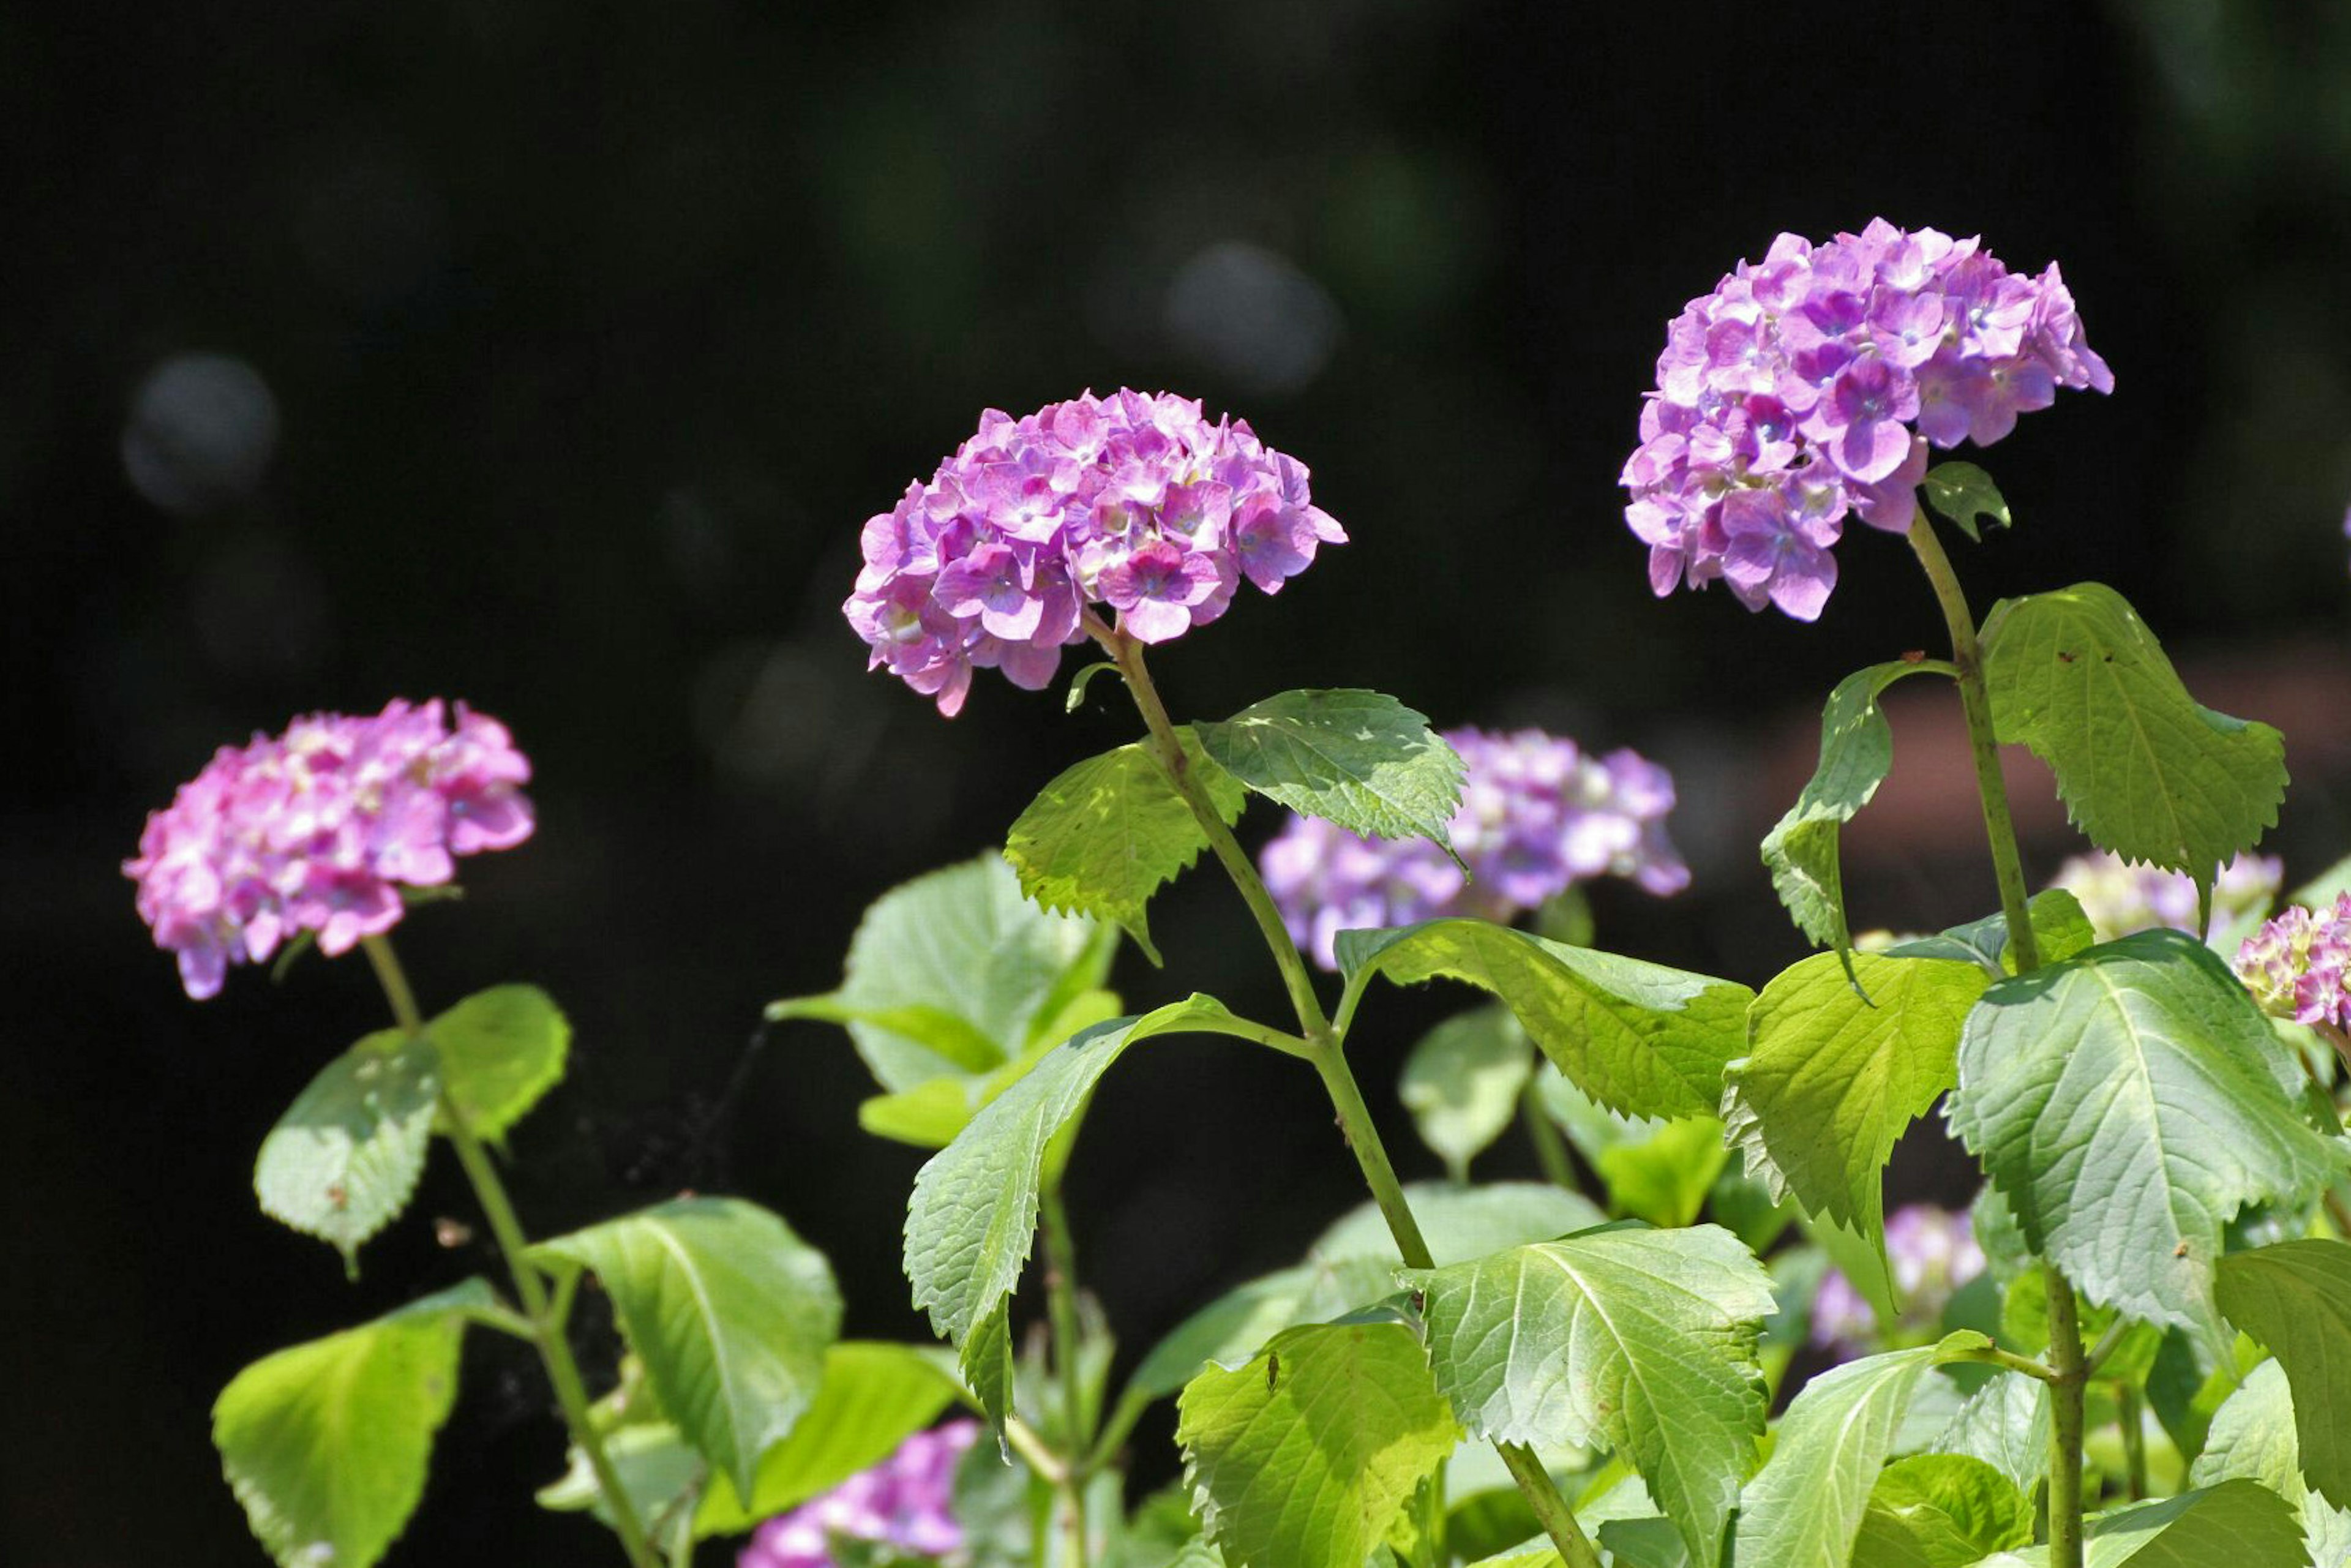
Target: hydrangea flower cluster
point(2121, 898)
point(318, 828)
point(902, 1502)
point(1136, 502)
point(1931, 1253)
point(1809, 385)
point(1537, 815)
point(2294, 964)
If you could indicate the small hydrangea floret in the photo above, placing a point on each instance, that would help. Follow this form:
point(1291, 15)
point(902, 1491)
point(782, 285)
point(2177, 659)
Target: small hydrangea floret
point(903, 1505)
point(2296, 964)
point(2121, 898)
point(318, 828)
point(1135, 503)
point(1807, 388)
point(1537, 816)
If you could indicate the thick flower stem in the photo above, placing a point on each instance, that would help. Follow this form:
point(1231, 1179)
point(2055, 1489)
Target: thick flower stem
point(2067, 1365)
point(544, 1316)
point(1061, 1296)
point(1324, 1051)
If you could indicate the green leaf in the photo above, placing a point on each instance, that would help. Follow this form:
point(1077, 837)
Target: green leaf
point(1965, 493)
point(325, 1443)
point(1803, 848)
point(1460, 1223)
point(729, 1311)
point(2144, 770)
point(1357, 758)
point(2126, 1101)
point(1638, 1037)
point(972, 1216)
point(2253, 1437)
point(1941, 1510)
point(1462, 1083)
point(929, 1116)
point(952, 972)
point(1659, 1171)
point(2060, 930)
point(500, 1051)
point(343, 1160)
point(1804, 1507)
point(1836, 1071)
point(1305, 1455)
point(1354, 1263)
point(2239, 1522)
point(2005, 1424)
point(1106, 835)
point(1639, 1340)
point(2295, 1298)
point(872, 1397)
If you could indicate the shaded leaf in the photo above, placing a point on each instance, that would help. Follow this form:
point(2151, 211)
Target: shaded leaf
point(2005, 1424)
point(1107, 833)
point(2254, 1437)
point(1357, 758)
point(343, 1160)
point(1638, 1037)
point(1836, 1071)
point(2126, 1102)
point(1662, 1172)
point(2060, 930)
point(729, 1311)
point(1803, 848)
point(500, 1051)
point(1965, 494)
point(1462, 1083)
point(1804, 1507)
point(1634, 1339)
point(1941, 1510)
point(325, 1443)
point(1306, 1455)
point(2144, 770)
point(2238, 1522)
point(2295, 1298)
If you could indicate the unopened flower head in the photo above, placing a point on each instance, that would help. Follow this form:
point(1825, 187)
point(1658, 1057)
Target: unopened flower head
point(1134, 503)
point(2120, 898)
point(318, 828)
point(1806, 388)
point(1930, 1251)
point(2296, 964)
point(903, 1503)
point(1537, 815)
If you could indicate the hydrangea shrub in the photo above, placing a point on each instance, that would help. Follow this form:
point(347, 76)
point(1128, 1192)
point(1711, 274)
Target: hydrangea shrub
point(2132, 1347)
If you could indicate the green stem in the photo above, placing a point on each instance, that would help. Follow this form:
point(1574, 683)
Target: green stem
point(545, 1322)
point(1061, 1297)
point(2133, 1425)
point(1550, 1149)
point(2067, 1366)
point(1992, 1356)
point(1323, 1050)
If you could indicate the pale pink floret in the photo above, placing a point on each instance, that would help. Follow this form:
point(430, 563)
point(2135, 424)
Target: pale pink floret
point(318, 828)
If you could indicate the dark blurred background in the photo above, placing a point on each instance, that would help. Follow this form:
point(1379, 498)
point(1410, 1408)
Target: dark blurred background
point(551, 356)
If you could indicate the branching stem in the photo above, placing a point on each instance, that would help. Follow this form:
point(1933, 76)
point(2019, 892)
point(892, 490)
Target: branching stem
point(2068, 1369)
point(1323, 1050)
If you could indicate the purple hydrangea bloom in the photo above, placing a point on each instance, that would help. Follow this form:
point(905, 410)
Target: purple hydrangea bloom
point(1136, 502)
point(318, 828)
point(902, 1502)
point(2296, 964)
point(2120, 898)
point(1537, 815)
point(1809, 386)
point(1931, 1253)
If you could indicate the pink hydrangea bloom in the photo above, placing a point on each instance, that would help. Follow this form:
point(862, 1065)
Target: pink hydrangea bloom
point(1931, 1253)
point(1135, 503)
point(318, 828)
point(1537, 815)
point(1808, 387)
point(903, 1503)
point(2296, 964)
point(2120, 898)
